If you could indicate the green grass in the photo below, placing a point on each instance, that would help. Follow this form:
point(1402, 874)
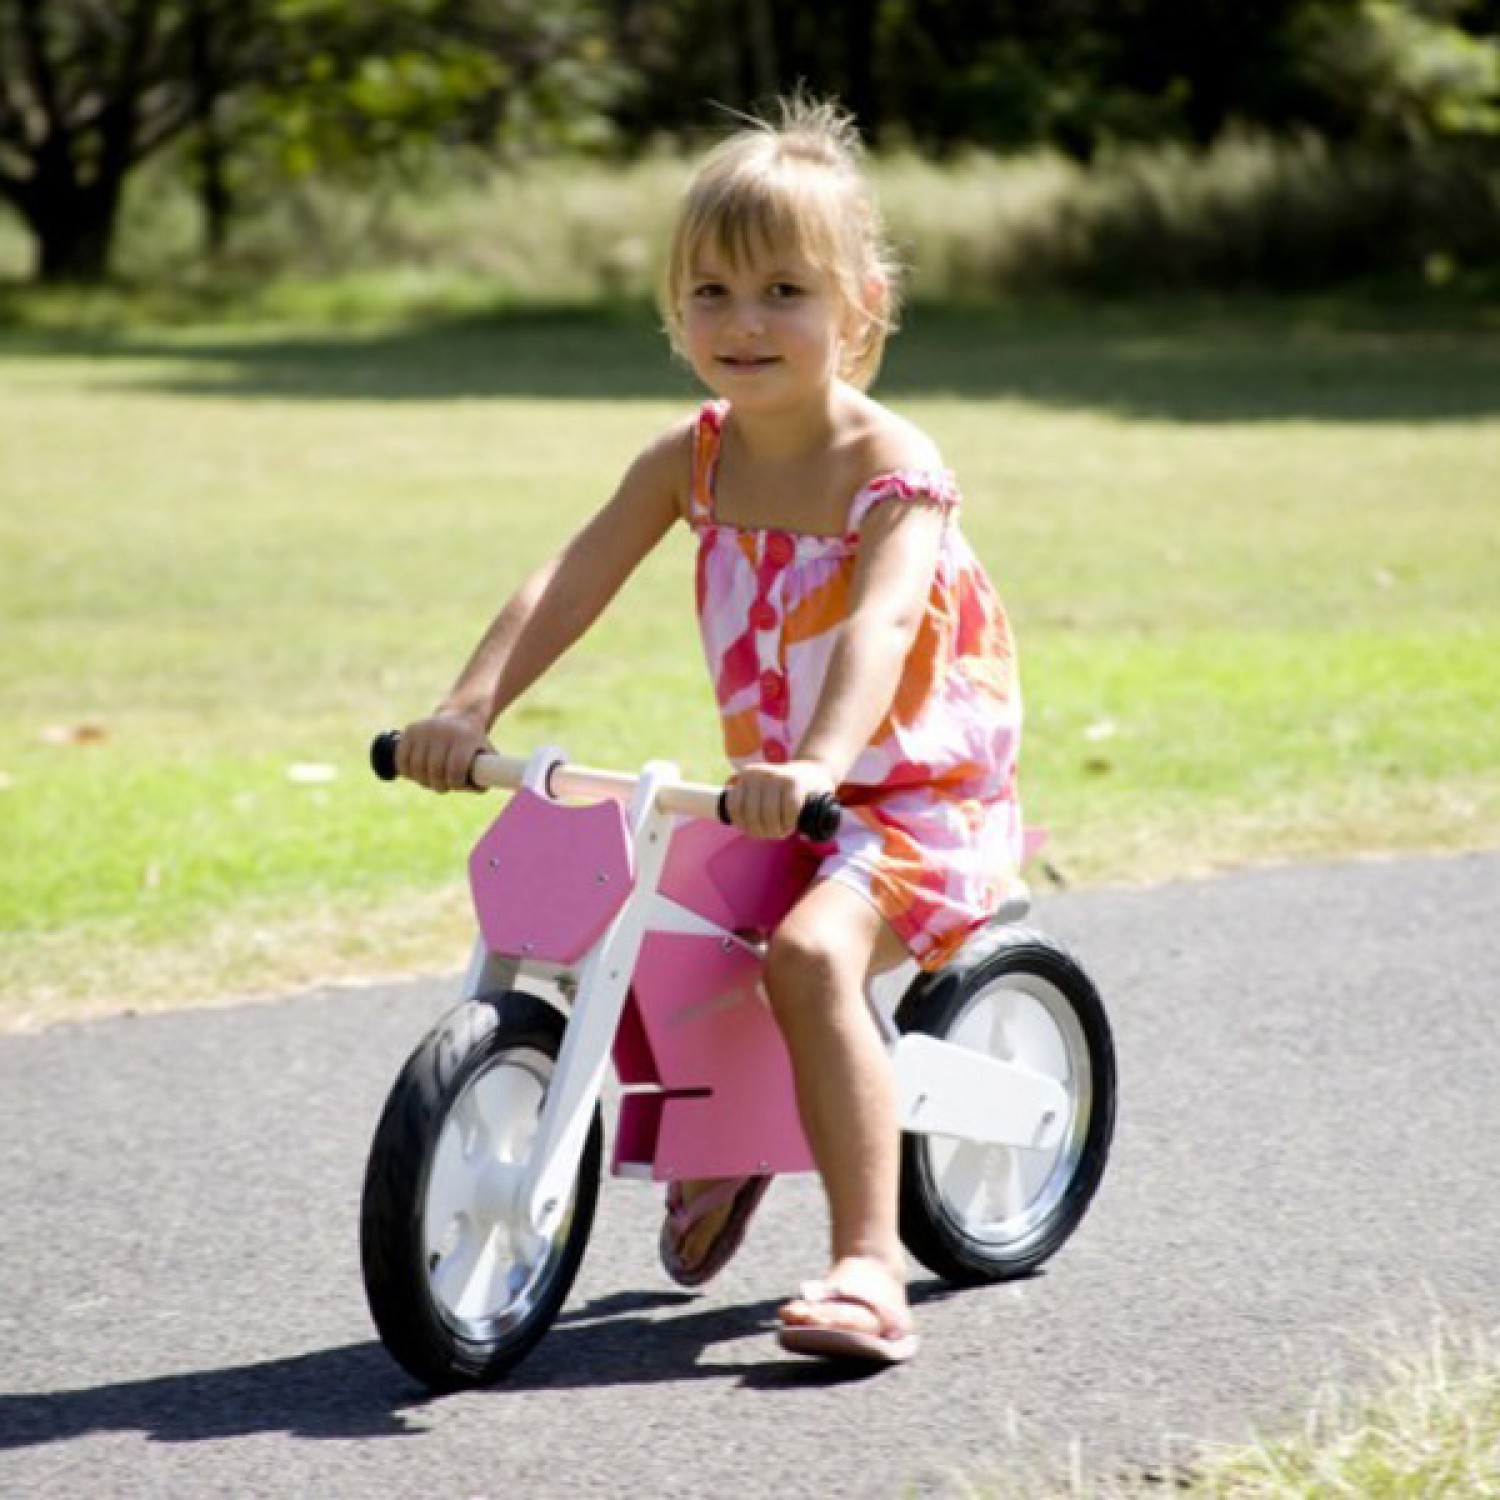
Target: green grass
point(1251, 554)
point(1429, 1431)
point(1423, 1424)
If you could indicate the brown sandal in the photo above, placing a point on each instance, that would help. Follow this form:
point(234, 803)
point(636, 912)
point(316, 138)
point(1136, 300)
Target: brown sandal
point(742, 1193)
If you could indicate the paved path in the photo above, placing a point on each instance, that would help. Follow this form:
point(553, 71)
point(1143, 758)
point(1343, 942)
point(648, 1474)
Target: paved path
point(1305, 1168)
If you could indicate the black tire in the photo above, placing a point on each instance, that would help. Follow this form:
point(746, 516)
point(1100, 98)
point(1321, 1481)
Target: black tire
point(1018, 973)
point(500, 1050)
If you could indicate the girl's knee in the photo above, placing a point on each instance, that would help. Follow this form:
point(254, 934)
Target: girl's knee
point(807, 968)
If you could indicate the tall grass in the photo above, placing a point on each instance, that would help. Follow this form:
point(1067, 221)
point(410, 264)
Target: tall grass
point(1431, 1430)
point(1426, 1426)
point(1248, 213)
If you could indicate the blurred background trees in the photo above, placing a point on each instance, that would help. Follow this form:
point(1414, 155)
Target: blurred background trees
point(1075, 73)
point(90, 89)
point(245, 93)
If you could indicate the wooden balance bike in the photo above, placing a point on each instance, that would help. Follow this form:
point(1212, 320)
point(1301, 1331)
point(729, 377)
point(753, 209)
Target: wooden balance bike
point(621, 923)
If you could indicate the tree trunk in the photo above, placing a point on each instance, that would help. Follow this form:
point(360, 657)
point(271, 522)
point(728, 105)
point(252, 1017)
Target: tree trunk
point(859, 88)
point(214, 194)
point(760, 54)
point(74, 230)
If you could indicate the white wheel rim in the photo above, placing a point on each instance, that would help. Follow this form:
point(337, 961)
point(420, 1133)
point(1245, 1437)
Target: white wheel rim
point(485, 1276)
point(1004, 1197)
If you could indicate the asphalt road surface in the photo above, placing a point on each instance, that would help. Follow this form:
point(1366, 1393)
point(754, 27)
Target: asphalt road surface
point(1304, 1179)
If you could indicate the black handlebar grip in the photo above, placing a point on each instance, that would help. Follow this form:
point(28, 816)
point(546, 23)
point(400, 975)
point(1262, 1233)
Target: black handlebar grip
point(818, 821)
point(383, 754)
point(820, 817)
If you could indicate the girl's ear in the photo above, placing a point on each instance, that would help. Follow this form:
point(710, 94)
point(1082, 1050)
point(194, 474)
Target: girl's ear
point(867, 311)
point(864, 318)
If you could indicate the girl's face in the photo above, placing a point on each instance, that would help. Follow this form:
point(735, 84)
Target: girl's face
point(766, 332)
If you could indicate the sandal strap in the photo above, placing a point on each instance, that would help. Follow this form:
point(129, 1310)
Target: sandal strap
point(892, 1323)
point(684, 1215)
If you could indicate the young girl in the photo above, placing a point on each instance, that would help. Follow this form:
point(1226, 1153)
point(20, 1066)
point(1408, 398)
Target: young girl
point(855, 647)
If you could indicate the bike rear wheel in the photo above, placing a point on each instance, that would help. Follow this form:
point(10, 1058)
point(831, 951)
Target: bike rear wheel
point(973, 1212)
point(458, 1296)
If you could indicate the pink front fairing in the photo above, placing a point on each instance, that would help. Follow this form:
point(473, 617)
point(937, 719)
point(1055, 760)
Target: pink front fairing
point(548, 878)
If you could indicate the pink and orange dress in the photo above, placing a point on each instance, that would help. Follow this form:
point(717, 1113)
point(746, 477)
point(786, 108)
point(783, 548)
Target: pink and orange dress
point(932, 835)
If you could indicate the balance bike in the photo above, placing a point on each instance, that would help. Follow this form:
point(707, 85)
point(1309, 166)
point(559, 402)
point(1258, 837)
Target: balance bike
point(621, 923)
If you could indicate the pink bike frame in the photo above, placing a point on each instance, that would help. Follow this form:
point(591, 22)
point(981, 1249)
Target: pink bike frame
point(650, 920)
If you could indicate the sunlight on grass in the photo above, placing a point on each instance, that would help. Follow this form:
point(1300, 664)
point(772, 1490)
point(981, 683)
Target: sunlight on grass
point(1432, 1430)
point(1251, 567)
point(1424, 1425)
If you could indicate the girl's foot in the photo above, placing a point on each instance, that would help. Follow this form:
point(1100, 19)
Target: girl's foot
point(858, 1311)
point(705, 1223)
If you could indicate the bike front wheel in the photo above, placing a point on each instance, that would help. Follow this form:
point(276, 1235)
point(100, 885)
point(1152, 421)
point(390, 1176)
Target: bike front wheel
point(974, 1212)
point(458, 1294)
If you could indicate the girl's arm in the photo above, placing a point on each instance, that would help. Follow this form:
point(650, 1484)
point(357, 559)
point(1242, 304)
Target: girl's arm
point(898, 554)
point(547, 614)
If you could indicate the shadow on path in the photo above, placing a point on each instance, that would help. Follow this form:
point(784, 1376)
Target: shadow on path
point(354, 1392)
point(358, 1392)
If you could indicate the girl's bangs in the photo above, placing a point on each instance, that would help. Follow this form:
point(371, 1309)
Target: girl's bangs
point(756, 220)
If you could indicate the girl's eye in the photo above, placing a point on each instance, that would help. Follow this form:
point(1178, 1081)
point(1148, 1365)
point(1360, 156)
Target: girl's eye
point(706, 291)
point(783, 291)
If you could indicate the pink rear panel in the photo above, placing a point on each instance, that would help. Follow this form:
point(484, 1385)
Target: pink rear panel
point(700, 1028)
point(548, 878)
point(742, 884)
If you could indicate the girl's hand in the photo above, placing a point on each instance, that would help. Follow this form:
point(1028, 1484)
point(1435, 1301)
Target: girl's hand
point(764, 799)
point(438, 752)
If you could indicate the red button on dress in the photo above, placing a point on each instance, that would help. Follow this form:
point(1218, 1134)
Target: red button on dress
point(775, 752)
point(771, 686)
point(780, 548)
point(762, 615)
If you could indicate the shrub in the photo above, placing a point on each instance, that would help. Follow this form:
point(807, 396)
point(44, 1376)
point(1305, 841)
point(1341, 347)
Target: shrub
point(1248, 213)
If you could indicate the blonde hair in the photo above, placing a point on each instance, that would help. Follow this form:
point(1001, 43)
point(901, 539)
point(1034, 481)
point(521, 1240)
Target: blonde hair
point(795, 185)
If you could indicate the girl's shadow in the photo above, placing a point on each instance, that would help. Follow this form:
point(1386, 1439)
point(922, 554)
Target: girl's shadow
point(631, 1338)
point(353, 1392)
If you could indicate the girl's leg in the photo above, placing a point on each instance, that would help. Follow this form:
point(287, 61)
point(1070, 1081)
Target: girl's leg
point(816, 969)
point(815, 974)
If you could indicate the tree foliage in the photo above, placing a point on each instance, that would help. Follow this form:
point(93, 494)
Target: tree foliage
point(1079, 74)
point(91, 88)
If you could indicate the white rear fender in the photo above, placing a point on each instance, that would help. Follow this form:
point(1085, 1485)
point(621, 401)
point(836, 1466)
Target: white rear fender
point(945, 1089)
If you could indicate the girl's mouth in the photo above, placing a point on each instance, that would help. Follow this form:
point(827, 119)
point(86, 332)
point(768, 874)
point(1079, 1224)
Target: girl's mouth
point(748, 361)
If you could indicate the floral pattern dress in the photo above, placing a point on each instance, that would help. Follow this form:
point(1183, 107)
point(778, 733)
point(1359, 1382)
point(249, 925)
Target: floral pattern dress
point(933, 834)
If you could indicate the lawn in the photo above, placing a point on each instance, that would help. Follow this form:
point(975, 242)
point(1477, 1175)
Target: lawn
point(1252, 555)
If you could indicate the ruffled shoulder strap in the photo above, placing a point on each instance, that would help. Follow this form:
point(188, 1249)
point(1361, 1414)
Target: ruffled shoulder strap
point(920, 486)
point(708, 426)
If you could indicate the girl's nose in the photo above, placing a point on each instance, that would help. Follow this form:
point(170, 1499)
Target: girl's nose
point(746, 315)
